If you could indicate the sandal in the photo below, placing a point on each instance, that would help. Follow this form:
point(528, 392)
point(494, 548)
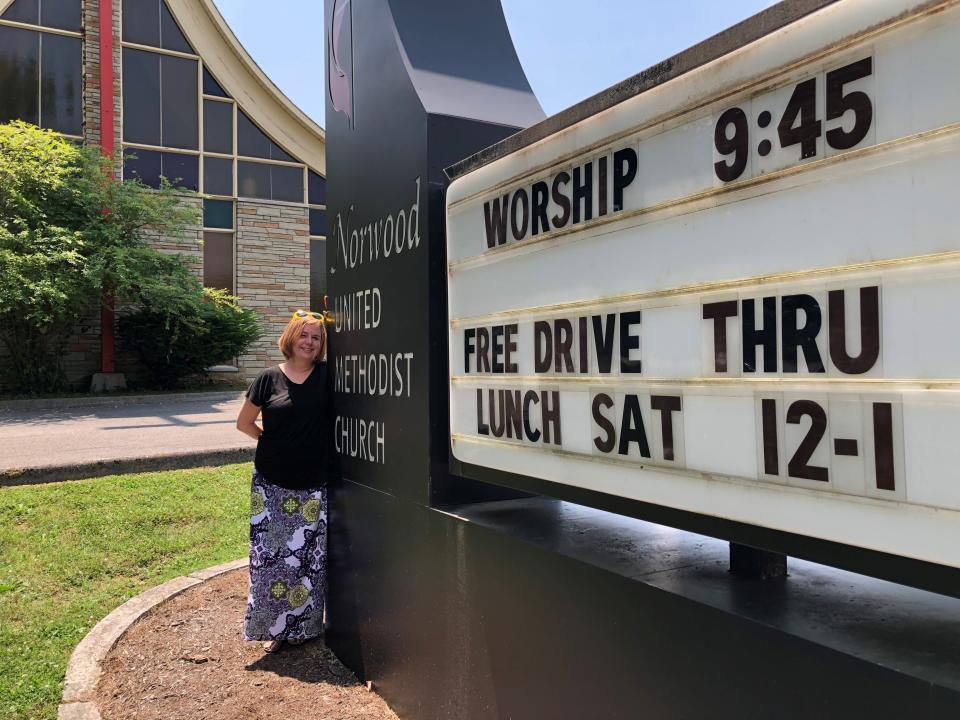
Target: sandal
point(272, 646)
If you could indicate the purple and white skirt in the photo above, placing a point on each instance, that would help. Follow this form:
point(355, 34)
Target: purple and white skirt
point(288, 562)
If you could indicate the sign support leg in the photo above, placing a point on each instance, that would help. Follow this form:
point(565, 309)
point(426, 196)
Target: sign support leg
point(755, 564)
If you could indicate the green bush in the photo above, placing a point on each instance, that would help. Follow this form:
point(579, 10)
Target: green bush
point(72, 236)
point(44, 291)
point(206, 328)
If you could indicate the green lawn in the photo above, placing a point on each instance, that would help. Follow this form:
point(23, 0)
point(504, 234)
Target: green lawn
point(72, 552)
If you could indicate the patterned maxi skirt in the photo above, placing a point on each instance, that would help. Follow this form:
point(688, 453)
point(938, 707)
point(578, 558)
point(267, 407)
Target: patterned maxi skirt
point(288, 562)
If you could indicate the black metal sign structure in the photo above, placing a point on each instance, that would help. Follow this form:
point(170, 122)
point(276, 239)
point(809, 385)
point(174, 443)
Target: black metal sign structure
point(404, 101)
point(463, 598)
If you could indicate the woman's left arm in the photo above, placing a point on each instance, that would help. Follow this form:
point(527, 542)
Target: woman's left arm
point(247, 420)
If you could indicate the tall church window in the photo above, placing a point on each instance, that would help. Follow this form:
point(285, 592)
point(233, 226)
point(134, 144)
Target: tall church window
point(177, 116)
point(149, 22)
point(161, 87)
point(218, 246)
point(41, 64)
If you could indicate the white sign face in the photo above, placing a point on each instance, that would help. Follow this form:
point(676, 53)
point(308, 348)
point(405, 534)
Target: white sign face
point(735, 294)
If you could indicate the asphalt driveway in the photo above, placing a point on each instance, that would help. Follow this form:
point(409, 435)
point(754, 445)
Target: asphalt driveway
point(120, 429)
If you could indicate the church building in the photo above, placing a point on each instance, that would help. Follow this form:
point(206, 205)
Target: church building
point(168, 83)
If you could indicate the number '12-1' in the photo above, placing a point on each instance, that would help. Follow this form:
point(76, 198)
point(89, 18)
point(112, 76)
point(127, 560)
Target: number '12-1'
point(800, 464)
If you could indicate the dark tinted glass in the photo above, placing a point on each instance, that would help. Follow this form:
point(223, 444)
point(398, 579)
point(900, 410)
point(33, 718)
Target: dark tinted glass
point(318, 273)
point(141, 22)
point(144, 167)
point(171, 36)
point(250, 139)
point(318, 222)
point(218, 126)
point(316, 188)
point(25, 11)
point(19, 75)
point(63, 14)
point(253, 180)
point(180, 121)
point(253, 142)
point(218, 260)
point(217, 176)
point(277, 154)
point(182, 170)
point(60, 89)
point(141, 96)
point(211, 86)
point(218, 214)
point(286, 183)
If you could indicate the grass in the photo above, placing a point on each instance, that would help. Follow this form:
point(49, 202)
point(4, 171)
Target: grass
point(72, 552)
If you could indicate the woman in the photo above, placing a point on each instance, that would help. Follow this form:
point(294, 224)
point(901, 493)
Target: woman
point(288, 513)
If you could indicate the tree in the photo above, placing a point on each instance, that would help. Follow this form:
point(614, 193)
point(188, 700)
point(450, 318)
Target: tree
point(71, 233)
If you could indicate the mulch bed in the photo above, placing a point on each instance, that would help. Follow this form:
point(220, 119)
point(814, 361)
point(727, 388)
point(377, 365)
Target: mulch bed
point(186, 660)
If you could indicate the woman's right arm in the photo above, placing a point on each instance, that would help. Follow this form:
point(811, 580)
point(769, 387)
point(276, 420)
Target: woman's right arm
point(247, 420)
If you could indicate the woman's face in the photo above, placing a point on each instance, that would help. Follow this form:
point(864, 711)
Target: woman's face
point(309, 343)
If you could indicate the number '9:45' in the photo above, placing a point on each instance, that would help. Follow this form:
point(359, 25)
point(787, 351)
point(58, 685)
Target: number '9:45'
point(798, 124)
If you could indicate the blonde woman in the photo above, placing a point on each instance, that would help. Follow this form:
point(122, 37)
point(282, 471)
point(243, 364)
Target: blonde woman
point(288, 514)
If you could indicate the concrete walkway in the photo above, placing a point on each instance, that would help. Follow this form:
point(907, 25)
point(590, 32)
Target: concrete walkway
point(59, 440)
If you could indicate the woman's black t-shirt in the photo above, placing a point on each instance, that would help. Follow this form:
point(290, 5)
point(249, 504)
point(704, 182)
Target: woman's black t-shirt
point(292, 449)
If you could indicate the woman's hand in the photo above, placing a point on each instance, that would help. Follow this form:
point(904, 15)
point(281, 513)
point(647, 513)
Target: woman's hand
point(247, 420)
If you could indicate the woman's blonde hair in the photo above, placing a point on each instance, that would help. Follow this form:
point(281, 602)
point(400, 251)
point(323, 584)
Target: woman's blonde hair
point(291, 334)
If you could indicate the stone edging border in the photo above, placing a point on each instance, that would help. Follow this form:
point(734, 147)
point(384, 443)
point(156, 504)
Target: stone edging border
point(83, 670)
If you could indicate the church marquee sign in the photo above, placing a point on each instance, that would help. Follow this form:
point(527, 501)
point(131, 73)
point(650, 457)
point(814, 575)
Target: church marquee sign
point(735, 294)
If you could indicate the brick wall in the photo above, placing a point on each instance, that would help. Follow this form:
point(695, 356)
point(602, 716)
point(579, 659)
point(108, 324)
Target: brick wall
point(273, 272)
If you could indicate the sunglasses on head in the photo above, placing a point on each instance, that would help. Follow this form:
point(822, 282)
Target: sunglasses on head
point(310, 313)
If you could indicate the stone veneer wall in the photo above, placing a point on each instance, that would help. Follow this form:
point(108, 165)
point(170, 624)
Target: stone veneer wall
point(273, 272)
point(189, 244)
point(83, 356)
point(91, 73)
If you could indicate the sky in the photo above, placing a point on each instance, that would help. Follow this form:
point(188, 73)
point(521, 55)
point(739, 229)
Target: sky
point(570, 49)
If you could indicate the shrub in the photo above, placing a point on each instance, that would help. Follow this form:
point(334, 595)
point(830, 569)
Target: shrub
point(44, 290)
point(71, 236)
point(205, 328)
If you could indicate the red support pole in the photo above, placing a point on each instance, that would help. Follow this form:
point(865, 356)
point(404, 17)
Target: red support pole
point(107, 360)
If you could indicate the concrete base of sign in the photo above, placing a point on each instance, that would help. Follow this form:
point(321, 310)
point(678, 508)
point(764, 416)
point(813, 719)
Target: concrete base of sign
point(108, 382)
point(540, 608)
